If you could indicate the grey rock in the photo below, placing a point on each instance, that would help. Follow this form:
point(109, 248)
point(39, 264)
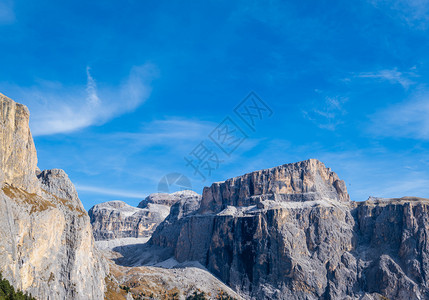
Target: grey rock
point(18, 158)
point(159, 282)
point(291, 232)
point(169, 231)
point(303, 181)
point(116, 219)
point(46, 243)
point(168, 199)
point(57, 182)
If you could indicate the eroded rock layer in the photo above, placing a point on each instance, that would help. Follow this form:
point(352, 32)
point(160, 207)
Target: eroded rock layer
point(116, 219)
point(291, 232)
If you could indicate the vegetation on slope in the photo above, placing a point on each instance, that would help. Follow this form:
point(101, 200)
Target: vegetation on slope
point(7, 292)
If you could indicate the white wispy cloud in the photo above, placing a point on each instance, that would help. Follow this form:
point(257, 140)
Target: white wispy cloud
point(169, 129)
point(120, 152)
point(408, 119)
point(91, 90)
point(413, 13)
point(392, 75)
point(110, 192)
point(328, 114)
point(58, 109)
point(7, 14)
point(410, 186)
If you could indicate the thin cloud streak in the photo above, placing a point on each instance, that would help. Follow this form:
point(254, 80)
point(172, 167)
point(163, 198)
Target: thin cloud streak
point(55, 109)
point(110, 192)
point(329, 114)
point(409, 187)
point(393, 76)
point(172, 130)
point(91, 90)
point(408, 119)
point(413, 13)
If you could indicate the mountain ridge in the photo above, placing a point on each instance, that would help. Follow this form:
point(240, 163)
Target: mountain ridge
point(46, 244)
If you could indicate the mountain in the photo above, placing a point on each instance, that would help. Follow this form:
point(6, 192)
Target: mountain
point(291, 232)
point(116, 219)
point(46, 243)
point(168, 199)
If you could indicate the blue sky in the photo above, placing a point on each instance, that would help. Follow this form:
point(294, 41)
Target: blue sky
point(121, 91)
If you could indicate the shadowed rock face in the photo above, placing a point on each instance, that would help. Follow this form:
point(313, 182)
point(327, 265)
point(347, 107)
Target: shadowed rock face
point(291, 233)
point(394, 246)
point(116, 219)
point(46, 243)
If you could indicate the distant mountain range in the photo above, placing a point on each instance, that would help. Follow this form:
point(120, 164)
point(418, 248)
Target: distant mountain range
point(289, 232)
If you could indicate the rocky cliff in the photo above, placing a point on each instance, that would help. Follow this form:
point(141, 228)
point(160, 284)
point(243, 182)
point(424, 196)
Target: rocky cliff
point(291, 232)
point(168, 199)
point(18, 159)
point(46, 243)
point(116, 219)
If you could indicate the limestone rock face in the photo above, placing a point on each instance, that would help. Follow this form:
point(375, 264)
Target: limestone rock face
point(57, 182)
point(394, 246)
point(46, 242)
point(168, 199)
point(169, 231)
point(116, 219)
point(303, 181)
point(291, 233)
point(18, 159)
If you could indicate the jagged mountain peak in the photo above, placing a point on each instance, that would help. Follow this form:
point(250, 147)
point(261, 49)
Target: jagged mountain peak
point(307, 180)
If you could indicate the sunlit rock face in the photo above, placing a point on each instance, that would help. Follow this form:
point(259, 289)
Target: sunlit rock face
point(116, 219)
point(168, 199)
point(303, 181)
point(18, 158)
point(291, 232)
point(46, 243)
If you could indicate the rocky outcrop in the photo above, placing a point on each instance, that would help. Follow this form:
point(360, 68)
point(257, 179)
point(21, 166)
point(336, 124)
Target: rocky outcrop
point(18, 159)
point(393, 247)
point(57, 182)
point(116, 219)
point(169, 231)
point(46, 243)
point(291, 232)
point(303, 181)
point(163, 283)
point(168, 199)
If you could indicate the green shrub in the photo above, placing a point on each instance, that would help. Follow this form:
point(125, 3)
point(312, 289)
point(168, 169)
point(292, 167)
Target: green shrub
point(7, 292)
